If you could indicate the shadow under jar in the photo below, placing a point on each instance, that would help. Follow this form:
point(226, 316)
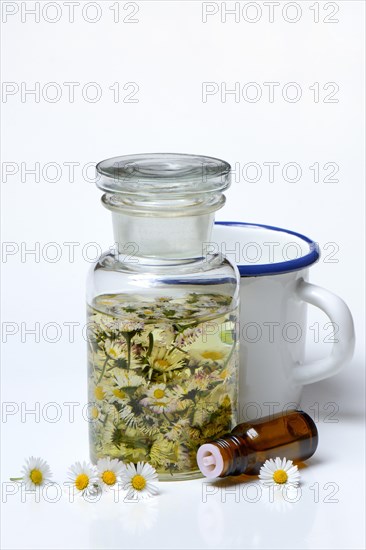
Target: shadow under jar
point(162, 315)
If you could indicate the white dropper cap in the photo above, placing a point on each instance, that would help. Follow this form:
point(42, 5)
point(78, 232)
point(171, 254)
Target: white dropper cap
point(209, 460)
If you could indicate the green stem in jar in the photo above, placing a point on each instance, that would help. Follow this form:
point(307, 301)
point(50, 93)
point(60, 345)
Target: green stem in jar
point(128, 353)
point(233, 347)
point(128, 337)
point(151, 344)
point(103, 370)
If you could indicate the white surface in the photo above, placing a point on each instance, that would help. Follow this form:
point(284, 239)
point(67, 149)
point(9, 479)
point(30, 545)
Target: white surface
point(169, 53)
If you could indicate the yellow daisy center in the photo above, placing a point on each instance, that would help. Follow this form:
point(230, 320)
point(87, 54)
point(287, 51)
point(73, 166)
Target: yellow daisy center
point(113, 352)
point(162, 363)
point(81, 482)
point(148, 311)
point(213, 355)
point(158, 394)
point(119, 393)
point(36, 476)
point(280, 476)
point(109, 477)
point(99, 393)
point(138, 482)
point(94, 413)
point(226, 402)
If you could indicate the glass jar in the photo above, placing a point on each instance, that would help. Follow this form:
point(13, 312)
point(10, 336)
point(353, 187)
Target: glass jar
point(162, 315)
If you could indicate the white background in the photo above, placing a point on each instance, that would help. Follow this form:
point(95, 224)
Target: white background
point(169, 53)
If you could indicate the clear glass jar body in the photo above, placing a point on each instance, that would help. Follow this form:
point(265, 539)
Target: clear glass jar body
point(162, 344)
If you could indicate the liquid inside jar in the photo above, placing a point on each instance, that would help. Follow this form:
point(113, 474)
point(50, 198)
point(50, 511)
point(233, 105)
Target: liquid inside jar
point(162, 378)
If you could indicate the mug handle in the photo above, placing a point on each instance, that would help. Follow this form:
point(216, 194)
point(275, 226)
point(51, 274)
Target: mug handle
point(344, 339)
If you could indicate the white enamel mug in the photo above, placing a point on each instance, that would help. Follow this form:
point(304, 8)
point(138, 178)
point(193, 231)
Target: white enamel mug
point(274, 293)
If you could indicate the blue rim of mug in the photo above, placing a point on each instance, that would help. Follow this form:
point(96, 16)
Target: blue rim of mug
point(280, 267)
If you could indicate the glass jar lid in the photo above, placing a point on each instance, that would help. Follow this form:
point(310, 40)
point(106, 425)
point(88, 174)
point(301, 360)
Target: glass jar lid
point(163, 175)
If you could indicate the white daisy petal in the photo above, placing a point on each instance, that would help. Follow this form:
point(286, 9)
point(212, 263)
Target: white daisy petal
point(270, 465)
point(131, 468)
point(138, 480)
point(148, 472)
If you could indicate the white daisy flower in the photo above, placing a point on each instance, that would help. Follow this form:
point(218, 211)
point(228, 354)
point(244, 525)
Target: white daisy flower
point(84, 478)
point(164, 362)
point(163, 299)
point(99, 392)
point(159, 399)
point(115, 349)
point(122, 383)
point(279, 473)
point(139, 480)
point(147, 310)
point(95, 413)
point(210, 355)
point(127, 379)
point(105, 325)
point(99, 387)
point(117, 394)
point(164, 335)
point(36, 472)
point(109, 471)
point(131, 325)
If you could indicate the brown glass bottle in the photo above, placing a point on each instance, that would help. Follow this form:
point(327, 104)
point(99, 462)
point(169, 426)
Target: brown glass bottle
point(292, 435)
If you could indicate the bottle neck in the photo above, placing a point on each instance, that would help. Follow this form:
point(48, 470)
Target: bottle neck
point(166, 238)
point(234, 453)
point(168, 230)
point(223, 457)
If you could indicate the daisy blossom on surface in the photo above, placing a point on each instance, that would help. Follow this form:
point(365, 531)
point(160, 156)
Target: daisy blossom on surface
point(36, 472)
point(139, 480)
point(109, 471)
point(84, 477)
point(279, 473)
